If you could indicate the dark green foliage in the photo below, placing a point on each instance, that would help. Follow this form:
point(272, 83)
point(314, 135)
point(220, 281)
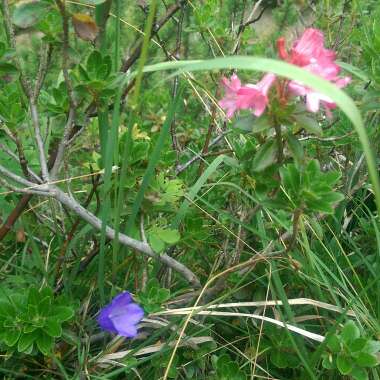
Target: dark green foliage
point(153, 296)
point(32, 320)
point(350, 353)
point(308, 189)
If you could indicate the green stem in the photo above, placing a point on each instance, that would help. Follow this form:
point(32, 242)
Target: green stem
point(117, 34)
point(101, 16)
point(129, 141)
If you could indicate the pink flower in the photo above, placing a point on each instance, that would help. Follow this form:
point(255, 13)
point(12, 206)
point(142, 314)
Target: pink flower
point(254, 96)
point(309, 49)
point(231, 87)
point(314, 98)
point(251, 96)
point(309, 53)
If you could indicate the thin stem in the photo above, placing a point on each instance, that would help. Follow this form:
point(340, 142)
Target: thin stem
point(296, 219)
point(280, 146)
point(137, 245)
point(38, 137)
point(45, 55)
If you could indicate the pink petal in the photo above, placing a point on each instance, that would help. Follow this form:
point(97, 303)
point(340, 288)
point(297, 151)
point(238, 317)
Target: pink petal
point(231, 87)
point(266, 83)
point(297, 88)
point(343, 82)
point(307, 47)
point(312, 102)
point(229, 105)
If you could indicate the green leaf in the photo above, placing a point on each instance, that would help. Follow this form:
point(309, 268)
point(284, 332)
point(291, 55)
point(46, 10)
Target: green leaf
point(328, 362)
point(278, 358)
point(44, 306)
point(28, 14)
point(156, 243)
point(350, 332)
point(252, 124)
point(25, 341)
point(358, 344)
point(46, 292)
point(353, 70)
point(29, 328)
point(3, 48)
point(359, 374)
point(11, 336)
point(296, 149)
point(7, 68)
point(94, 60)
point(333, 343)
point(291, 179)
point(344, 364)
point(34, 296)
point(319, 206)
point(44, 342)
point(53, 327)
point(265, 156)
point(162, 295)
point(63, 313)
point(332, 197)
point(366, 360)
point(372, 347)
point(169, 236)
point(6, 309)
point(310, 124)
point(152, 283)
point(244, 123)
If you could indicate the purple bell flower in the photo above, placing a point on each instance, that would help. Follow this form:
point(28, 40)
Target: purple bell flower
point(121, 316)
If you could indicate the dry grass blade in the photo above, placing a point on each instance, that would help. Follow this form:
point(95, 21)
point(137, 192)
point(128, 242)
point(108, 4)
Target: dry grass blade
point(295, 301)
point(305, 333)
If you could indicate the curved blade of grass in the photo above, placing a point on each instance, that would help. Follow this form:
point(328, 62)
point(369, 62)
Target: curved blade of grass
point(195, 189)
point(154, 158)
point(135, 107)
point(105, 194)
point(287, 70)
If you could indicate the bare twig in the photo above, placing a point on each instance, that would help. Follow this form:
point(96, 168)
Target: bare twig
point(45, 55)
point(250, 20)
point(16, 189)
point(30, 172)
point(14, 177)
point(63, 144)
point(172, 10)
point(139, 246)
point(327, 139)
point(182, 167)
point(70, 92)
point(74, 227)
point(14, 215)
point(38, 137)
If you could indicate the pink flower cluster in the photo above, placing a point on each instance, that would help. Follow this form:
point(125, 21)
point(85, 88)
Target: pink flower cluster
point(309, 53)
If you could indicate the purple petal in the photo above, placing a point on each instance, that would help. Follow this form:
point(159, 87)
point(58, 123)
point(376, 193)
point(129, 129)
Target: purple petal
point(121, 315)
point(122, 299)
point(125, 320)
point(104, 319)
